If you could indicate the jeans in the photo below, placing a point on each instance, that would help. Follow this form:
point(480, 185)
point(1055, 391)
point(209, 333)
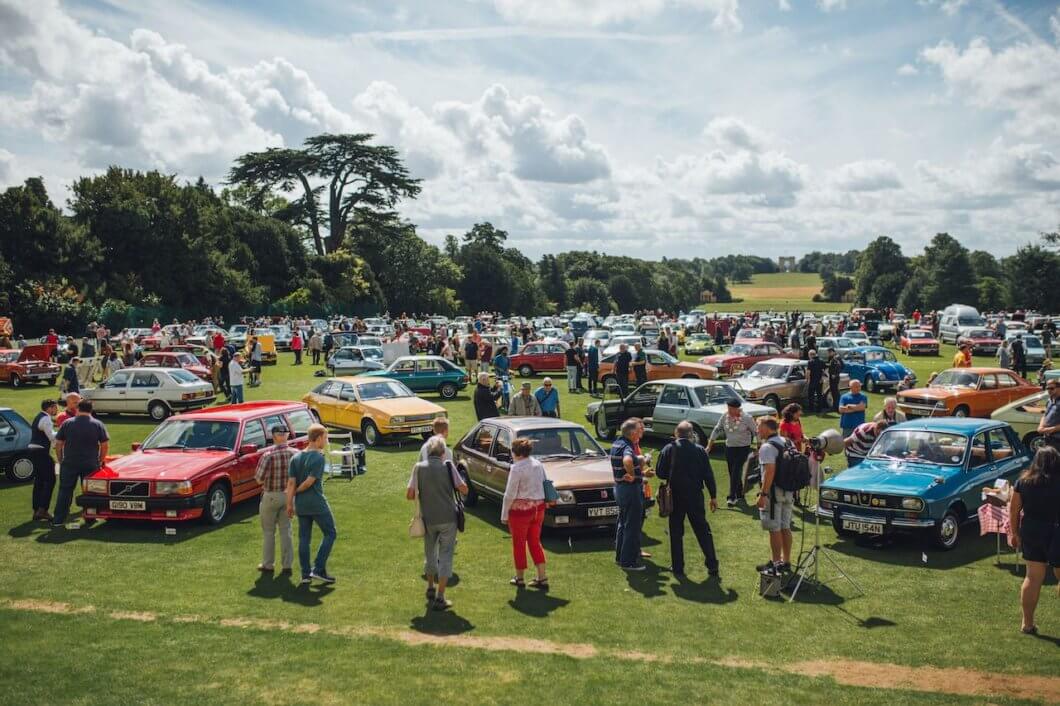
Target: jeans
point(525, 526)
point(735, 457)
point(572, 376)
point(630, 499)
point(439, 543)
point(592, 374)
point(814, 395)
point(693, 509)
point(316, 356)
point(273, 512)
point(69, 476)
point(305, 534)
point(43, 480)
point(298, 357)
point(236, 397)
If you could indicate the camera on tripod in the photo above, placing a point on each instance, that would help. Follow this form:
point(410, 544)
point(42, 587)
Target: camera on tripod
point(827, 443)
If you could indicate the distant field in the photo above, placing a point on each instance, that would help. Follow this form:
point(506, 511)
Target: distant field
point(786, 291)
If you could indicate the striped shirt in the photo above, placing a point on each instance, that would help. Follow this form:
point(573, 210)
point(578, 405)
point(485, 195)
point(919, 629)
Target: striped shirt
point(864, 436)
point(273, 466)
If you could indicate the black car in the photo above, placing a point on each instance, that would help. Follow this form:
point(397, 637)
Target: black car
point(16, 458)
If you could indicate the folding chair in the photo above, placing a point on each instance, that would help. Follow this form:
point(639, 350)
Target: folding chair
point(344, 458)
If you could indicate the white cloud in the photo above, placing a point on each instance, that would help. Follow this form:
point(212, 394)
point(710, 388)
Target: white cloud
point(908, 70)
point(949, 7)
point(867, 175)
point(768, 179)
point(784, 5)
point(829, 5)
point(8, 168)
point(595, 13)
point(1020, 79)
point(732, 132)
point(1054, 24)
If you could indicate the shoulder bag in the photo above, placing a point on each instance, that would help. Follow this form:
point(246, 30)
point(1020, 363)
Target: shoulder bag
point(460, 519)
point(416, 527)
point(665, 498)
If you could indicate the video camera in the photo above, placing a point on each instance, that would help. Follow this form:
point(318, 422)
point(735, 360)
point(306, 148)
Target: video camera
point(829, 442)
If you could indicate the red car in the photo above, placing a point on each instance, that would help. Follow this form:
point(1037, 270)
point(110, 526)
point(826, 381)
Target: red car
point(31, 364)
point(748, 335)
point(194, 465)
point(201, 353)
point(983, 341)
point(742, 356)
point(918, 340)
point(540, 356)
point(177, 359)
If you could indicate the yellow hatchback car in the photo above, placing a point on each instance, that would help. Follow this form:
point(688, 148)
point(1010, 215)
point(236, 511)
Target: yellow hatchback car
point(377, 408)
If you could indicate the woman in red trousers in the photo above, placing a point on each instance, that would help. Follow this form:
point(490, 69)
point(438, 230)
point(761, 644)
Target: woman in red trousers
point(523, 510)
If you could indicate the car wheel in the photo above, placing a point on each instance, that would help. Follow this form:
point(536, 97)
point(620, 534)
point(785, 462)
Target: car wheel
point(52, 381)
point(961, 411)
point(447, 390)
point(525, 371)
point(158, 410)
point(948, 531)
point(698, 437)
point(602, 430)
point(870, 384)
point(472, 495)
point(1034, 441)
point(16, 380)
point(218, 501)
point(426, 435)
point(370, 433)
point(773, 401)
point(316, 416)
point(20, 469)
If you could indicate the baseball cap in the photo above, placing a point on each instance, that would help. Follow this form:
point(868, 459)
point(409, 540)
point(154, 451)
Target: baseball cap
point(279, 429)
point(734, 402)
point(526, 385)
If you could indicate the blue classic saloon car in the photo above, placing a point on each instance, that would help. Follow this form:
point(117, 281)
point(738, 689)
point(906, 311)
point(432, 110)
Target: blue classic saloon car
point(426, 373)
point(923, 475)
point(876, 367)
point(16, 456)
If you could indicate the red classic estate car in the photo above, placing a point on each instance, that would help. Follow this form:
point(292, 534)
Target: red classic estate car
point(30, 364)
point(194, 465)
point(176, 359)
point(742, 356)
point(540, 356)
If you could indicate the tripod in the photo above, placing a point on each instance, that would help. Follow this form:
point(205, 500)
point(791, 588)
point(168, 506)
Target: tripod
point(809, 563)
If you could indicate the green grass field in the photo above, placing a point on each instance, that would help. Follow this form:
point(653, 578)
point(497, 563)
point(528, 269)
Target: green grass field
point(782, 292)
point(122, 613)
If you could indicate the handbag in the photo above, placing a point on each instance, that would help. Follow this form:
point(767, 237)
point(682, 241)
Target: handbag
point(665, 500)
point(460, 519)
point(551, 494)
point(416, 527)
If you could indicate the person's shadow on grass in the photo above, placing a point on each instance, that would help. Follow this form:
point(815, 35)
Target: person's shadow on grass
point(709, 591)
point(536, 604)
point(309, 596)
point(271, 585)
point(440, 622)
point(648, 583)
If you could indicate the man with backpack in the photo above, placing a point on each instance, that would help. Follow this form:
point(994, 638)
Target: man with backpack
point(784, 469)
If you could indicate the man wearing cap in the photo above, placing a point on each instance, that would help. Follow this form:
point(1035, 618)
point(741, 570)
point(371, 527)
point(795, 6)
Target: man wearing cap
point(525, 404)
point(272, 472)
point(740, 430)
point(548, 397)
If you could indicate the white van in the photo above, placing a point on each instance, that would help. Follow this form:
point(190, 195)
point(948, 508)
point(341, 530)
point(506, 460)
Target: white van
point(956, 320)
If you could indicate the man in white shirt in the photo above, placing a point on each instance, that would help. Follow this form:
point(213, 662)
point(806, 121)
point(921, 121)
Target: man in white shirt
point(42, 436)
point(235, 379)
point(440, 428)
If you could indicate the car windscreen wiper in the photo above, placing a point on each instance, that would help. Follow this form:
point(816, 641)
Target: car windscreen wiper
point(587, 454)
point(559, 455)
point(218, 448)
point(171, 446)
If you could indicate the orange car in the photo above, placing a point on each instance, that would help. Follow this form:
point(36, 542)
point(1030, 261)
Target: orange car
point(965, 392)
point(661, 366)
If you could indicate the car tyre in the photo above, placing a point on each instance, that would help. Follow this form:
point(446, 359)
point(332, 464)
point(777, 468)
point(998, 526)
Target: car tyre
point(961, 411)
point(772, 401)
point(447, 390)
point(471, 500)
point(52, 381)
point(525, 371)
point(370, 433)
point(158, 410)
point(316, 416)
point(600, 423)
point(21, 468)
point(218, 501)
point(947, 532)
point(16, 380)
point(1034, 441)
point(870, 384)
point(698, 437)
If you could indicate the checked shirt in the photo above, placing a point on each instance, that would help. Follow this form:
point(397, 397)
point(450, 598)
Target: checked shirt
point(272, 468)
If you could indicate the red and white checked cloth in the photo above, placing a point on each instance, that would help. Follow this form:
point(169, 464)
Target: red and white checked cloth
point(993, 519)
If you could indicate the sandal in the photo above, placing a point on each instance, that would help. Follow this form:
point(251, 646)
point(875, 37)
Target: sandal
point(518, 582)
point(540, 583)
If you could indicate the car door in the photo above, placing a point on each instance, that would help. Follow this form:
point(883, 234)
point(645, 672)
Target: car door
point(1009, 389)
point(348, 410)
point(641, 402)
point(110, 395)
point(555, 358)
point(143, 389)
point(325, 399)
point(500, 460)
point(299, 422)
point(405, 371)
point(1006, 453)
point(658, 367)
point(243, 483)
point(985, 398)
point(476, 447)
point(979, 472)
point(428, 374)
point(671, 409)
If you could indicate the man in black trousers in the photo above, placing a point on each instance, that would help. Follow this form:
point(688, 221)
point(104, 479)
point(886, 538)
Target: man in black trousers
point(685, 465)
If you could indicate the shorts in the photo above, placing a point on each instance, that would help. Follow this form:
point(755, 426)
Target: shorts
point(256, 366)
point(781, 510)
point(1041, 545)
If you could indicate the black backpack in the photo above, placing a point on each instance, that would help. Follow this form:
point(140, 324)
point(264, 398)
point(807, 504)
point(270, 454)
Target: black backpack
point(793, 468)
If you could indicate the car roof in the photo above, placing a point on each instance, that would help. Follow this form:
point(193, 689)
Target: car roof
point(781, 361)
point(979, 370)
point(360, 379)
point(867, 349)
point(691, 382)
point(517, 424)
point(245, 410)
point(956, 425)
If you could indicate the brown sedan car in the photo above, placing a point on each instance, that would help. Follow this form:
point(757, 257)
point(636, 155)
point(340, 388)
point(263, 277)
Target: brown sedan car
point(578, 467)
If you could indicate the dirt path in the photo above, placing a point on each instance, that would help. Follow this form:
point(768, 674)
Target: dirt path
point(936, 680)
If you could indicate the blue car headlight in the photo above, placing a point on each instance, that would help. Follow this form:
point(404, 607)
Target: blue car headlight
point(915, 504)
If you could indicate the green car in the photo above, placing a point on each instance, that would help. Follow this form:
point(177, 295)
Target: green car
point(1023, 415)
point(699, 344)
point(429, 373)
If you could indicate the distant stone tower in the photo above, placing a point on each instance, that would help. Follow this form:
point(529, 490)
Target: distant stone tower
point(787, 264)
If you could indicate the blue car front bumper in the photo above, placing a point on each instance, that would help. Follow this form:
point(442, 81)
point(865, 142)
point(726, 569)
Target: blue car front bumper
point(885, 520)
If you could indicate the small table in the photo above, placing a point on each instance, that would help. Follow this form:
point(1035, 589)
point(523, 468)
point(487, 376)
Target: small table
point(994, 518)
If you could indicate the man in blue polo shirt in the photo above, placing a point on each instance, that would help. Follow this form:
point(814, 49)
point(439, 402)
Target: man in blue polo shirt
point(852, 406)
point(627, 465)
point(548, 397)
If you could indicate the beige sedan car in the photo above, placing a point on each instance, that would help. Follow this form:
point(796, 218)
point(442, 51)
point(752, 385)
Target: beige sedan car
point(156, 392)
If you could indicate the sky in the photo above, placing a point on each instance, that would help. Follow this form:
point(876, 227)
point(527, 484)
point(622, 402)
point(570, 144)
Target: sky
point(650, 128)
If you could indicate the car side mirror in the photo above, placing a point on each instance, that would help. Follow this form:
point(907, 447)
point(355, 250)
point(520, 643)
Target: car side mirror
point(135, 446)
point(246, 449)
point(504, 458)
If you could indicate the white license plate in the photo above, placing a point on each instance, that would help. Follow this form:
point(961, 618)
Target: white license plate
point(421, 430)
point(603, 511)
point(863, 527)
point(128, 505)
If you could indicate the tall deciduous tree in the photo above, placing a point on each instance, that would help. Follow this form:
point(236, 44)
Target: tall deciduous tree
point(586, 292)
point(881, 273)
point(357, 178)
point(553, 281)
point(1032, 274)
point(950, 277)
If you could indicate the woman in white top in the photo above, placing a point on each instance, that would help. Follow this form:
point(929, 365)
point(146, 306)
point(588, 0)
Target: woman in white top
point(523, 510)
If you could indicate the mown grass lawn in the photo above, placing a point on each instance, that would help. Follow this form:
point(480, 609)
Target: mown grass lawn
point(121, 613)
point(782, 291)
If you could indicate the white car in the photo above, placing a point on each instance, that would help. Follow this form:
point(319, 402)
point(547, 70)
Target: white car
point(156, 392)
point(351, 360)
